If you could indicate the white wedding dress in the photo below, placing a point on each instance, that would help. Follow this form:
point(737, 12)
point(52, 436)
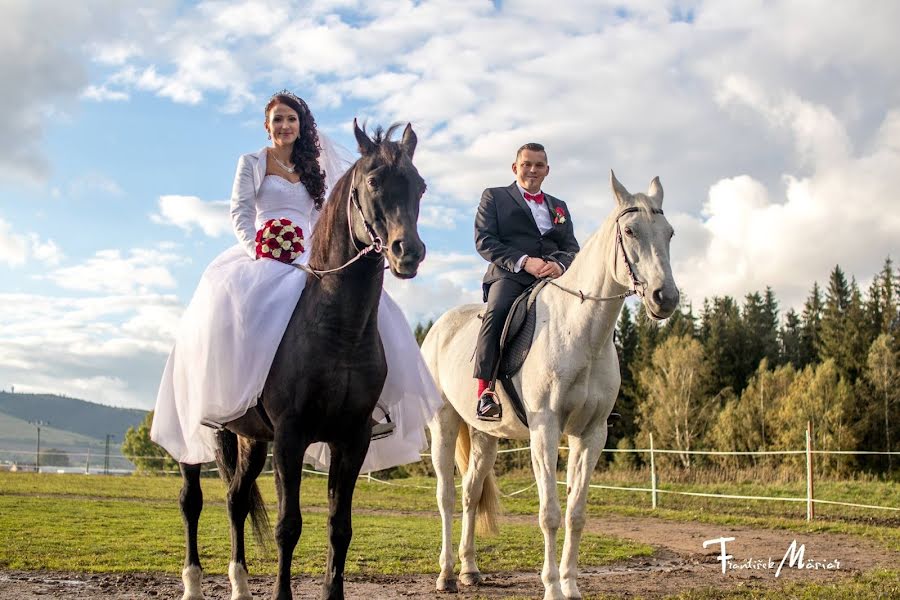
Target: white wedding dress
point(232, 327)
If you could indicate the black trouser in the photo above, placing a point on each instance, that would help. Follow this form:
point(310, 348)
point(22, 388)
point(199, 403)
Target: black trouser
point(501, 295)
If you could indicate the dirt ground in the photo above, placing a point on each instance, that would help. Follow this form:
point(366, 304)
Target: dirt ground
point(680, 563)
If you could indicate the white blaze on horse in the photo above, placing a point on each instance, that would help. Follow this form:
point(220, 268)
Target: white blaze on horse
point(568, 384)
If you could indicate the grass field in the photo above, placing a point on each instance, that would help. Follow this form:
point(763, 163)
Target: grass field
point(118, 524)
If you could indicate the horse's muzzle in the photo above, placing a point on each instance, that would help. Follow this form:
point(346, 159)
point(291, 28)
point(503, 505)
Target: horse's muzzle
point(405, 256)
point(663, 301)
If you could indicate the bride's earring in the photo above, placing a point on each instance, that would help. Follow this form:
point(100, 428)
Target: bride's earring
point(269, 136)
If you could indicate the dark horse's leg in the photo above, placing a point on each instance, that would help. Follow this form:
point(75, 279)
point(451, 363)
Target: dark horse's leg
point(242, 494)
point(191, 504)
point(346, 460)
point(287, 455)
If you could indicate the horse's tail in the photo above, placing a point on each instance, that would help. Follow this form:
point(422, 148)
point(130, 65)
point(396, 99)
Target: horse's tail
point(227, 453)
point(488, 508)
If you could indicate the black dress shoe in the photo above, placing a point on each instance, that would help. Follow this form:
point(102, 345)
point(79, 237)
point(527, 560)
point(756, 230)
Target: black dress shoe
point(489, 408)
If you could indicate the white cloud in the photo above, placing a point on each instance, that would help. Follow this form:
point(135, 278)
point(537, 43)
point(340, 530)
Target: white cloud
point(187, 212)
point(445, 280)
point(101, 93)
point(440, 216)
point(106, 349)
point(92, 183)
point(16, 248)
point(843, 213)
point(109, 271)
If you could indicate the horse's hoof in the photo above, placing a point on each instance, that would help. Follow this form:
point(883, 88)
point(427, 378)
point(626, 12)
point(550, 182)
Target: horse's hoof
point(473, 578)
point(191, 577)
point(237, 574)
point(571, 592)
point(447, 585)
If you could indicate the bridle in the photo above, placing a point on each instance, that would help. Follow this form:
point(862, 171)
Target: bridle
point(376, 245)
point(638, 287)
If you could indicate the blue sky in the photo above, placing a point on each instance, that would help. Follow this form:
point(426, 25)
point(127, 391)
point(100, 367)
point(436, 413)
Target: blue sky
point(772, 125)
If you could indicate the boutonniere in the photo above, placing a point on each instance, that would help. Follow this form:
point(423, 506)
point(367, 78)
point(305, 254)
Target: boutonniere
point(560, 216)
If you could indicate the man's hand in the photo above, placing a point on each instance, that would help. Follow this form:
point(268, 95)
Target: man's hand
point(534, 265)
point(550, 269)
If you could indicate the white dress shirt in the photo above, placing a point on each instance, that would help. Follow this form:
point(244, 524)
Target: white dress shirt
point(541, 214)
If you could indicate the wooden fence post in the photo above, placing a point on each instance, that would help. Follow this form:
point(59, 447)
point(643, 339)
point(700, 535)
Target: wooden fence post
point(810, 506)
point(652, 473)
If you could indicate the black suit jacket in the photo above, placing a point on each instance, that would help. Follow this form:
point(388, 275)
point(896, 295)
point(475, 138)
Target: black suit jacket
point(505, 230)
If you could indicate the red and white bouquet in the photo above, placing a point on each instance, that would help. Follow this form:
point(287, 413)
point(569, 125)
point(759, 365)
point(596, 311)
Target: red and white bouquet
point(279, 239)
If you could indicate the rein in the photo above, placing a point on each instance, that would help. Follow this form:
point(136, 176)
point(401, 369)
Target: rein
point(376, 246)
point(637, 285)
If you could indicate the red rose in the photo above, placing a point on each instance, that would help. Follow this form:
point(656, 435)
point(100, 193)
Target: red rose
point(288, 235)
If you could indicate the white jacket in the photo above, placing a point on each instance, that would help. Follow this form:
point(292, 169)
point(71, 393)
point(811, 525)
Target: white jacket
point(251, 169)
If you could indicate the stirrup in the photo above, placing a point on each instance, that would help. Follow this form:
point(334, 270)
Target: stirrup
point(489, 409)
point(382, 429)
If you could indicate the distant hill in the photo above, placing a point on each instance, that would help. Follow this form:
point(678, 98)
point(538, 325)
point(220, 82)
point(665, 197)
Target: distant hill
point(64, 414)
point(18, 434)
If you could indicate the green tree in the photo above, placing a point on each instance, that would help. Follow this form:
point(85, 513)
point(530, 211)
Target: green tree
point(833, 339)
point(882, 374)
point(747, 423)
point(146, 455)
point(888, 289)
point(760, 322)
point(722, 332)
point(859, 333)
point(822, 395)
point(811, 328)
point(421, 331)
point(790, 339)
point(626, 342)
point(676, 408)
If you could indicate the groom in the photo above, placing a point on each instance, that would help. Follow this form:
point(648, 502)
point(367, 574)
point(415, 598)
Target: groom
point(525, 234)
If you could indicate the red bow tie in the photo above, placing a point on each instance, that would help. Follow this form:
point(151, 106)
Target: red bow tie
point(536, 198)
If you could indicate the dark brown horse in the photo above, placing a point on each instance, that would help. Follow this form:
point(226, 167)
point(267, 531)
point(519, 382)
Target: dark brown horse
point(328, 372)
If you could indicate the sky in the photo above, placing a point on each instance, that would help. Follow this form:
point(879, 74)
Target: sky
point(773, 126)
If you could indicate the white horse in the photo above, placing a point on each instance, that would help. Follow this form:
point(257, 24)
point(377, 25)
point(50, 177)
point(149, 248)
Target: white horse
point(568, 384)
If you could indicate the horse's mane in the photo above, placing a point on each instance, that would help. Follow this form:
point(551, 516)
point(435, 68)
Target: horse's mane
point(388, 153)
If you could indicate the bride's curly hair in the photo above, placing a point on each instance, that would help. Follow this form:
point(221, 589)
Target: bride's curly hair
point(305, 154)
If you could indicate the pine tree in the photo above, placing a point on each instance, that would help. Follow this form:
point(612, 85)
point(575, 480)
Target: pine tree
point(790, 340)
point(833, 340)
point(721, 333)
point(859, 334)
point(811, 327)
point(889, 299)
point(626, 342)
point(681, 323)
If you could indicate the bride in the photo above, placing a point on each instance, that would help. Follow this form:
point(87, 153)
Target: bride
point(232, 327)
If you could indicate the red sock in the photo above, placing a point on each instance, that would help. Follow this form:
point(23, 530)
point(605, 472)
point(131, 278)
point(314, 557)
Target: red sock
point(482, 385)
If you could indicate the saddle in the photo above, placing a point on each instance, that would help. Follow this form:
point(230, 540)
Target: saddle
point(515, 343)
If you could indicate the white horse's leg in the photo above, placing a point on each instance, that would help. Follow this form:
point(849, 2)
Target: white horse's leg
point(583, 455)
point(444, 429)
point(482, 455)
point(240, 588)
point(544, 453)
point(190, 577)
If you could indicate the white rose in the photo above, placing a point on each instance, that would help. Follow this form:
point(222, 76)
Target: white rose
point(276, 252)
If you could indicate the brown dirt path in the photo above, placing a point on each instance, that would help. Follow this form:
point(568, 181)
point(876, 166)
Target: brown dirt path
point(679, 563)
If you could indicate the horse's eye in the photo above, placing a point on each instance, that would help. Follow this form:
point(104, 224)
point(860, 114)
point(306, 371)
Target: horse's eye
point(373, 182)
point(629, 232)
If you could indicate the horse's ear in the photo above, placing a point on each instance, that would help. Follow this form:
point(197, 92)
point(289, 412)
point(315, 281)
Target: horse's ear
point(366, 145)
point(619, 191)
point(409, 140)
point(655, 192)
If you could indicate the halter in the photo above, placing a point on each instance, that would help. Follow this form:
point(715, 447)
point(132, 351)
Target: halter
point(376, 246)
point(638, 287)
